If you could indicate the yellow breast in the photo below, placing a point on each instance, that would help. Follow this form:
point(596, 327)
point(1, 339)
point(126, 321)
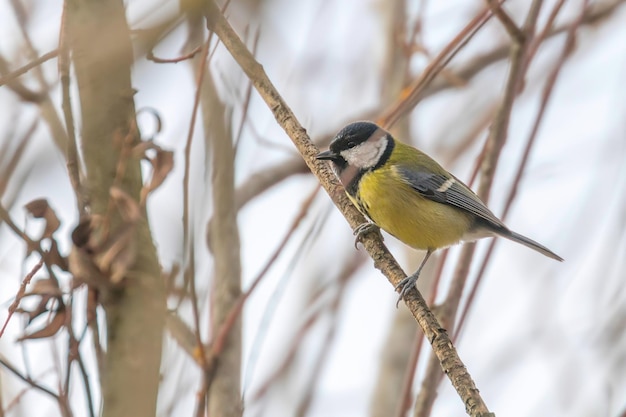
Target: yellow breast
point(401, 211)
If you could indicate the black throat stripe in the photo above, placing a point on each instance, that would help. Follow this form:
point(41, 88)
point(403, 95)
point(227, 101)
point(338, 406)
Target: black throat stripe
point(353, 187)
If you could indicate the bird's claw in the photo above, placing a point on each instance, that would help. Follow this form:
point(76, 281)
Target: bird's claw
point(363, 229)
point(405, 286)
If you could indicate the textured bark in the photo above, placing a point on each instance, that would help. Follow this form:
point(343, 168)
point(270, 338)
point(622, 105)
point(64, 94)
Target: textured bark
point(135, 313)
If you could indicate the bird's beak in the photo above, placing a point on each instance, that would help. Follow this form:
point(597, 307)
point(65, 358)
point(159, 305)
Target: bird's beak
point(326, 155)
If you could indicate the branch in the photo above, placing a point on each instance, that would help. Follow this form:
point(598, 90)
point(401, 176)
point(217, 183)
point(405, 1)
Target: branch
point(28, 380)
point(493, 147)
point(99, 38)
point(23, 70)
point(442, 345)
point(545, 97)
point(271, 176)
point(514, 32)
point(224, 382)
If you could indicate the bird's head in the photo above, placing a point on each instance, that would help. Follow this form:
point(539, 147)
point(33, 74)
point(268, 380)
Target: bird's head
point(359, 145)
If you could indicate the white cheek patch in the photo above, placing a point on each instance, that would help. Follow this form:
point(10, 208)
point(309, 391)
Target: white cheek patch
point(367, 154)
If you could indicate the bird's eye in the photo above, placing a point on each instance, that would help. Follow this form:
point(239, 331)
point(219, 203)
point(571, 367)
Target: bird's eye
point(351, 144)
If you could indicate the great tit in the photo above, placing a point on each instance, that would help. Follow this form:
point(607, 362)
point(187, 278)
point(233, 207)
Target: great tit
point(409, 195)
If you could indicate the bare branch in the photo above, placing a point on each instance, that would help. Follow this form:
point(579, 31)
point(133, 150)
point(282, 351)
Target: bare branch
point(516, 33)
point(22, 70)
point(383, 260)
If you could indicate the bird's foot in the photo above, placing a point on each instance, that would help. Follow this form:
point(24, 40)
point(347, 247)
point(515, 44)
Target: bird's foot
point(406, 285)
point(363, 229)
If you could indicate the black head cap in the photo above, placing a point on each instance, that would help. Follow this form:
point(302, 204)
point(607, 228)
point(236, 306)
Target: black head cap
point(352, 135)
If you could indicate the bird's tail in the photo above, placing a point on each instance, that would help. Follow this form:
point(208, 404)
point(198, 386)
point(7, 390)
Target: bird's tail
point(516, 237)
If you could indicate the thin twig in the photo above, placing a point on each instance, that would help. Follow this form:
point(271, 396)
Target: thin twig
point(30, 244)
point(545, 97)
point(15, 157)
point(507, 22)
point(188, 252)
point(266, 319)
point(383, 260)
point(271, 176)
point(411, 94)
point(22, 70)
point(150, 57)
point(492, 150)
point(73, 166)
point(547, 29)
point(85, 378)
point(406, 394)
point(323, 354)
point(223, 383)
point(21, 292)
point(28, 380)
point(218, 343)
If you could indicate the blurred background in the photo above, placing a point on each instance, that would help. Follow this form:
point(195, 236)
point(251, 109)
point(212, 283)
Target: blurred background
point(321, 333)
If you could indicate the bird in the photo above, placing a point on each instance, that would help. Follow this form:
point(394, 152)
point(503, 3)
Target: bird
point(405, 192)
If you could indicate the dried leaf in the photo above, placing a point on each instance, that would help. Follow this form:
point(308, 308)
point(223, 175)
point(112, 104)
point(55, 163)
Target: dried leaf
point(37, 208)
point(100, 261)
point(50, 329)
point(45, 286)
point(40, 209)
point(41, 308)
point(128, 208)
point(84, 271)
point(139, 150)
point(162, 165)
point(54, 257)
point(46, 289)
point(119, 255)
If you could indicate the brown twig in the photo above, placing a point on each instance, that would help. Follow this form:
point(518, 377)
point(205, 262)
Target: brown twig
point(20, 293)
point(508, 23)
point(151, 57)
point(406, 395)
point(545, 97)
point(288, 357)
point(323, 354)
point(189, 255)
point(73, 166)
point(86, 383)
point(411, 94)
point(48, 109)
point(34, 384)
point(218, 343)
point(15, 157)
point(30, 244)
point(209, 360)
point(538, 40)
point(271, 176)
point(223, 385)
point(491, 152)
point(383, 260)
point(22, 70)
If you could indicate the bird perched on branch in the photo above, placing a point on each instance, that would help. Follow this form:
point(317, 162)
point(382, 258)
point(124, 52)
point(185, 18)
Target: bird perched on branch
point(409, 195)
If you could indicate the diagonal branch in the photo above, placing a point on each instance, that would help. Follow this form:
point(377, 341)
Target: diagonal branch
point(23, 70)
point(442, 345)
point(514, 32)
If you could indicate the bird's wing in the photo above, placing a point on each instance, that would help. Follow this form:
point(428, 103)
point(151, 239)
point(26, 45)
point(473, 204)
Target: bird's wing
point(448, 190)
